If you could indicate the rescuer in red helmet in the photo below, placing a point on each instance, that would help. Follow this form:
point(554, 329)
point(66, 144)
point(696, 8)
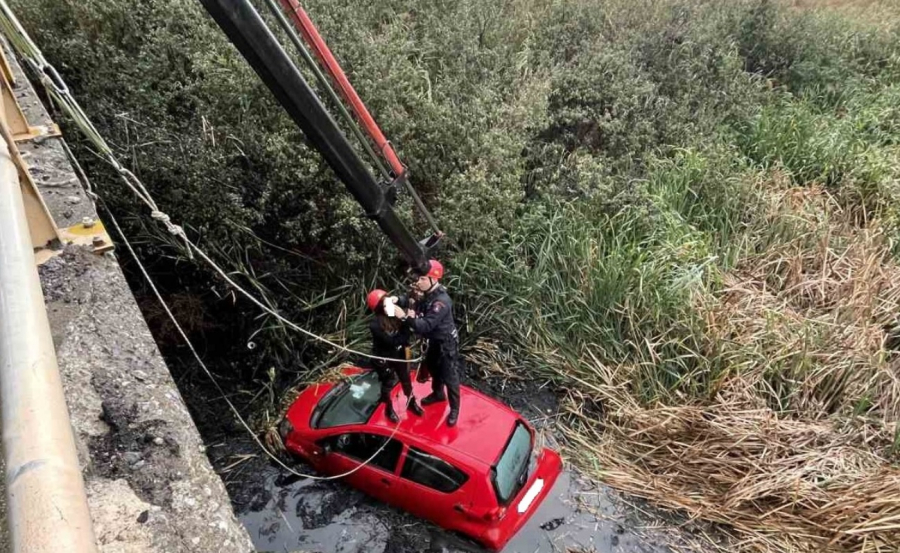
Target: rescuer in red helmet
point(433, 319)
point(390, 338)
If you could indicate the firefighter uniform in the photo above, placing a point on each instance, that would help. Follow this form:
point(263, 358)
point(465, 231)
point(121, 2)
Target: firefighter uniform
point(435, 323)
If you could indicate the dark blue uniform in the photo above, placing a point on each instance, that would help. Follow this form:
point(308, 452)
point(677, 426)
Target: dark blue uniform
point(393, 346)
point(435, 322)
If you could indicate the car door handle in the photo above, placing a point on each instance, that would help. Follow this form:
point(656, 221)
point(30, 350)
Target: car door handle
point(385, 481)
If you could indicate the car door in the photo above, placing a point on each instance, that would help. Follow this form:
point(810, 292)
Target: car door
point(433, 488)
point(349, 450)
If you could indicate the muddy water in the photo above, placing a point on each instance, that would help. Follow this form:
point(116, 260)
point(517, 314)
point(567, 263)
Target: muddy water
point(329, 517)
point(285, 514)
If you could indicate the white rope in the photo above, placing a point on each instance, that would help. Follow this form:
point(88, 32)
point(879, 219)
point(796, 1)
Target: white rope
point(206, 370)
point(28, 50)
point(94, 197)
point(32, 54)
point(287, 322)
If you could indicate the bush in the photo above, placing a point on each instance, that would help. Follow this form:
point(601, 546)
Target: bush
point(818, 55)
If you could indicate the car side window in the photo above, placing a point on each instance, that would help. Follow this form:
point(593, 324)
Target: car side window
point(431, 471)
point(362, 446)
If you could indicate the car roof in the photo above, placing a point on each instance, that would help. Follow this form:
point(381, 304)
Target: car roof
point(481, 434)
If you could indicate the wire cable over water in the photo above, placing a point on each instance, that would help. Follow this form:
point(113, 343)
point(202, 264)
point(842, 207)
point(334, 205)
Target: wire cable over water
point(62, 97)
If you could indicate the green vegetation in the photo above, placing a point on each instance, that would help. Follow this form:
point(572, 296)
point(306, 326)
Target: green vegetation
point(685, 213)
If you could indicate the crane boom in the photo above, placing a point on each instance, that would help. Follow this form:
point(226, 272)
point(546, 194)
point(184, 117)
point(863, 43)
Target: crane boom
point(312, 37)
point(245, 28)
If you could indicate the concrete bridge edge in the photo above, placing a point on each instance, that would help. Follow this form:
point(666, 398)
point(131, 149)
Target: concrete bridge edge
point(150, 485)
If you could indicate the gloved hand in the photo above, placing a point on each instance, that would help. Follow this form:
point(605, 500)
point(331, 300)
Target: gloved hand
point(390, 309)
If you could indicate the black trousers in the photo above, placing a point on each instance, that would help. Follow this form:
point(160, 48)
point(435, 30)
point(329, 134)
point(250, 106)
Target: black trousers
point(443, 361)
point(388, 373)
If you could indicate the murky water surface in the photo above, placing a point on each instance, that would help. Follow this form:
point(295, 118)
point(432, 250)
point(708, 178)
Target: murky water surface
point(330, 517)
point(284, 514)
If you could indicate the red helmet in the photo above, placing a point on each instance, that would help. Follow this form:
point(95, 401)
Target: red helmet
point(435, 269)
point(374, 298)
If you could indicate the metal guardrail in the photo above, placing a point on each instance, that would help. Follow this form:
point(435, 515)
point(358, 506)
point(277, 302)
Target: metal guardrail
point(47, 508)
point(46, 503)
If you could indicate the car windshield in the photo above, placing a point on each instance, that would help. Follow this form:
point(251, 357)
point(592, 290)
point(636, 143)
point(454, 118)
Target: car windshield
point(511, 470)
point(354, 403)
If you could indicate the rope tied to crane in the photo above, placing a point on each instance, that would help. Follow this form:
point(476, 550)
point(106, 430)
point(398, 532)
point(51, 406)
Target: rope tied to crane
point(62, 96)
point(60, 93)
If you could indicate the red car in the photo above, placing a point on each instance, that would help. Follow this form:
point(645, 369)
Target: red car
point(482, 478)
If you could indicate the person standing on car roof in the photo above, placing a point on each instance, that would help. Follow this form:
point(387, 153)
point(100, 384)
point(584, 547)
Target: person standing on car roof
point(433, 319)
point(390, 338)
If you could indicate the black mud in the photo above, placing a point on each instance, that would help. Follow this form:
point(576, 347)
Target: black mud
point(324, 517)
point(144, 453)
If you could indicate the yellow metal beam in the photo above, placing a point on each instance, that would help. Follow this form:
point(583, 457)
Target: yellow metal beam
point(12, 113)
point(6, 68)
point(45, 236)
point(89, 233)
point(40, 222)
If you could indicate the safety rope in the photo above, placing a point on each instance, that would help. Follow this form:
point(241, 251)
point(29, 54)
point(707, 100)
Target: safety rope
point(206, 370)
point(60, 93)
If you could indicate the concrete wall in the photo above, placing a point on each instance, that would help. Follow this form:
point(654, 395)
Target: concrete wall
point(150, 485)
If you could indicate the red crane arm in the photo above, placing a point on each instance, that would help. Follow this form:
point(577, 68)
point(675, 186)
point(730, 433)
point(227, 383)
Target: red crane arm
point(315, 41)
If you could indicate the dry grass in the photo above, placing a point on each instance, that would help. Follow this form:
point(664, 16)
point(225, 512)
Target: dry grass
point(796, 446)
point(795, 449)
point(784, 485)
point(812, 321)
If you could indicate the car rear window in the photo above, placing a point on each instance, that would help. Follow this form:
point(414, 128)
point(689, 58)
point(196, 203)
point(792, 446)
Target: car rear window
point(353, 404)
point(511, 471)
point(431, 471)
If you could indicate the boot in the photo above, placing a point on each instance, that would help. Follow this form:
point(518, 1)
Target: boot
point(391, 414)
point(433, 397)
point(414, 407)
point(452, 418)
